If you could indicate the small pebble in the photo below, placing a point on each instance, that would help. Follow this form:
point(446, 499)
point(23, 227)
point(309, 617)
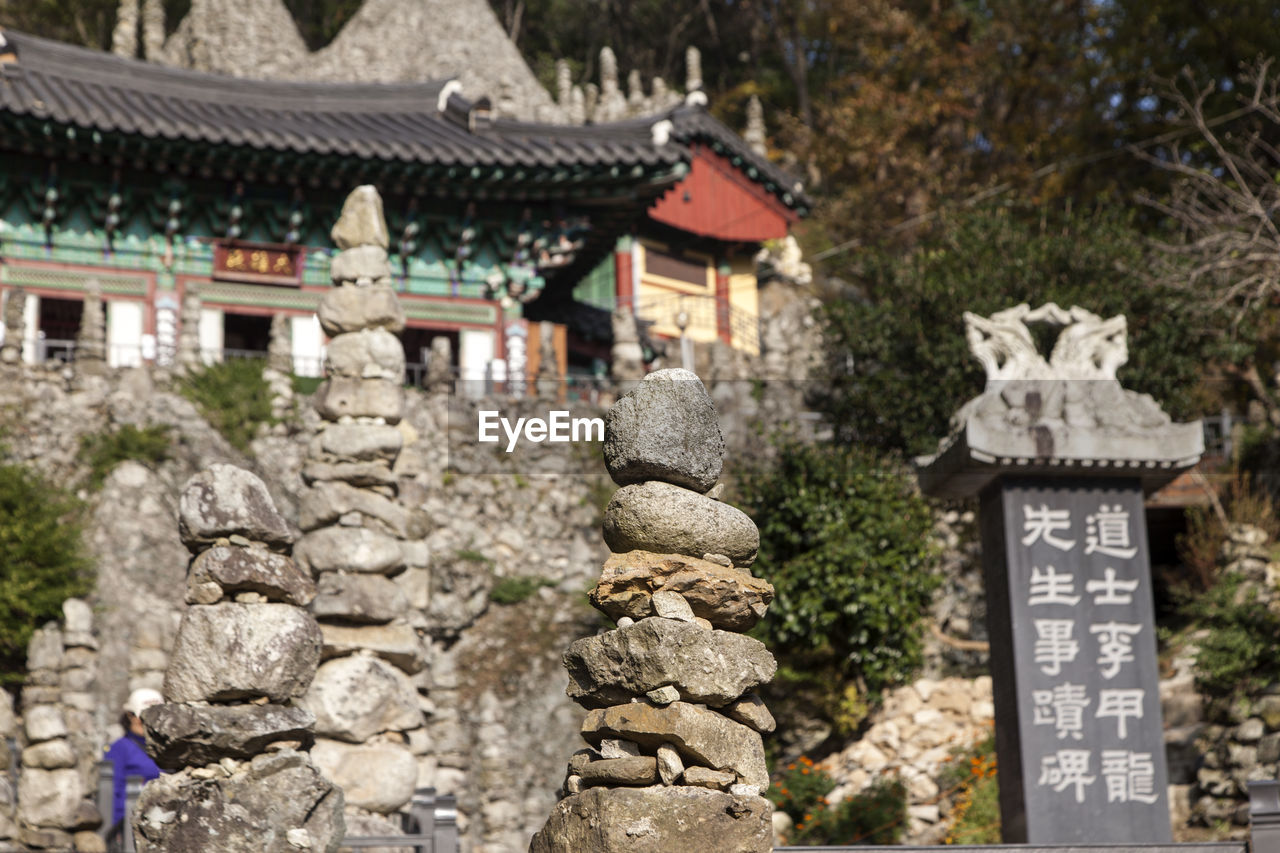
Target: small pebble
point(625, 622)
point(664, 695)
point(672, 605)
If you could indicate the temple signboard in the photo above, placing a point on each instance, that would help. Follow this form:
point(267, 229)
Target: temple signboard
point(257, 263)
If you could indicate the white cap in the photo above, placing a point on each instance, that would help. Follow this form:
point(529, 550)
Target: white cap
point(143, 697)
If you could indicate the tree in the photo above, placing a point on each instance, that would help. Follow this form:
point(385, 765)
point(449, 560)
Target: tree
point(897, 362)
point(41, 556)
point(1224, 254)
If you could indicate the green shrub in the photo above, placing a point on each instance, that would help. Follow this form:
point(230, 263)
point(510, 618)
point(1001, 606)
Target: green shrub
point(845, 539)
point(1237, 656)
point(878, 815)
point(971, 779)
point(471, 555)
point(42, 558)
point(516, 590)
point(103, 451)
point(233, 397)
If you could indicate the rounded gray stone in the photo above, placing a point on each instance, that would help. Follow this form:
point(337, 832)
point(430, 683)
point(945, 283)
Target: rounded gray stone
point(366, 354)
point(378, 777)
point(665, 429)
point(660, 517)
point(226, 569)
point(348, 308)
point(358, 598)
point(354, 698)
point(224, 500)
point(351, 396)
point(350, 549)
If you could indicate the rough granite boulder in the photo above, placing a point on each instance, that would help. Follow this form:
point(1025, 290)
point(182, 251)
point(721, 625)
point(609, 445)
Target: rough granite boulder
point(728, 598)
point(242, 651)
point(325, 503)
point(349, 549)
point(361, 222)
point(665, 429)
point(224, 500)
point(277, 803)
point(660, 517)
point(353, 698)
point(362, 598)
point(708, 667)
point(50, 798)
point(366, 354)
point(701, 736)
point(357, 442)
point(195, 735)
point(348, 308)
point(360, 265)
point(656, 820)
point(227, 569)
point(396, 642)
point(353, 397)
point(380, 777)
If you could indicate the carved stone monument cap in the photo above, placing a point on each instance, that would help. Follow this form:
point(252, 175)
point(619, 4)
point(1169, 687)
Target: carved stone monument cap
point(1067, 414)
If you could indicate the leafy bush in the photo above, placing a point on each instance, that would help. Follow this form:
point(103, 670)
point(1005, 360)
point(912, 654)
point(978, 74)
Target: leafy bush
point(845, 541)
point(897, 358)
point(876, 816)
point(305, 386)
point(103, 451)
point(1237, 656)
point(233, 397)
point(42, 556)
point(516, 590)
point(975, 812)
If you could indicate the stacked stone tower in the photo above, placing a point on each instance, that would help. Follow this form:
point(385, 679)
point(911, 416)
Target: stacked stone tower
point(358, 536)
point(58, 772)
point(246, 649)
point(676, 759)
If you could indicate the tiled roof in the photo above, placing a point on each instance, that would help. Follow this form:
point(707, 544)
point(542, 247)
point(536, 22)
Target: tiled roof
point(92, 90)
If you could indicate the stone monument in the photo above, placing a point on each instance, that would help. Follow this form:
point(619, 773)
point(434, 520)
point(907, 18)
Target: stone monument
point(676, 760)
point(245, 652)
point(359, 538)
point(1060, 456)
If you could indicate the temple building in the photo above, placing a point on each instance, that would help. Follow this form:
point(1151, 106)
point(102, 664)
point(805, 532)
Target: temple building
point(159, 183)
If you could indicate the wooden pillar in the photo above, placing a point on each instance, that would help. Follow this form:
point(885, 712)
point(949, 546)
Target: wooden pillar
point(623, 271)
point(723, 328)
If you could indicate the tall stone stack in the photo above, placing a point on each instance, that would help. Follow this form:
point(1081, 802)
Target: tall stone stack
point(245, 651)
point(189, 355)
point(57, 775)
point(359, 539)
point(91, 341)
point(279, 370)
point(676, 760)
point(8, 793)
point(14, 325)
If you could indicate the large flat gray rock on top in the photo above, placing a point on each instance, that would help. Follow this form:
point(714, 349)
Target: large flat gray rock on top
point(709, 667)
point(656, 820)
point(665, 429)
point(242, 651)
point(660, 517)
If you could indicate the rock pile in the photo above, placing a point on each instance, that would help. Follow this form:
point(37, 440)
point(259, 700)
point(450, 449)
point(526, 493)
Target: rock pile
point(58, 772)
point(14, 325)
point(279, 369)
point(359, 538)
point(676, 758)
point(91, 341)
point(246, 649)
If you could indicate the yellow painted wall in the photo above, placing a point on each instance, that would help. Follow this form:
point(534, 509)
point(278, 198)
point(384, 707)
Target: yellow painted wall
point(658, 298)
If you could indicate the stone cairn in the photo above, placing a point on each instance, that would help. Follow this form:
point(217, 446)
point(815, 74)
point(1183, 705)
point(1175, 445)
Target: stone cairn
point(91, 341)
point(59, 774)
point(627, 357)
point(279, 370)
point(358, 535)
point(14, 326)
point(246, 649)
point(676, 759)
point(189, 355)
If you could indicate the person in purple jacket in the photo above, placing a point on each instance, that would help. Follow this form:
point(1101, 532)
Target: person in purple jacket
point(127, 754)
